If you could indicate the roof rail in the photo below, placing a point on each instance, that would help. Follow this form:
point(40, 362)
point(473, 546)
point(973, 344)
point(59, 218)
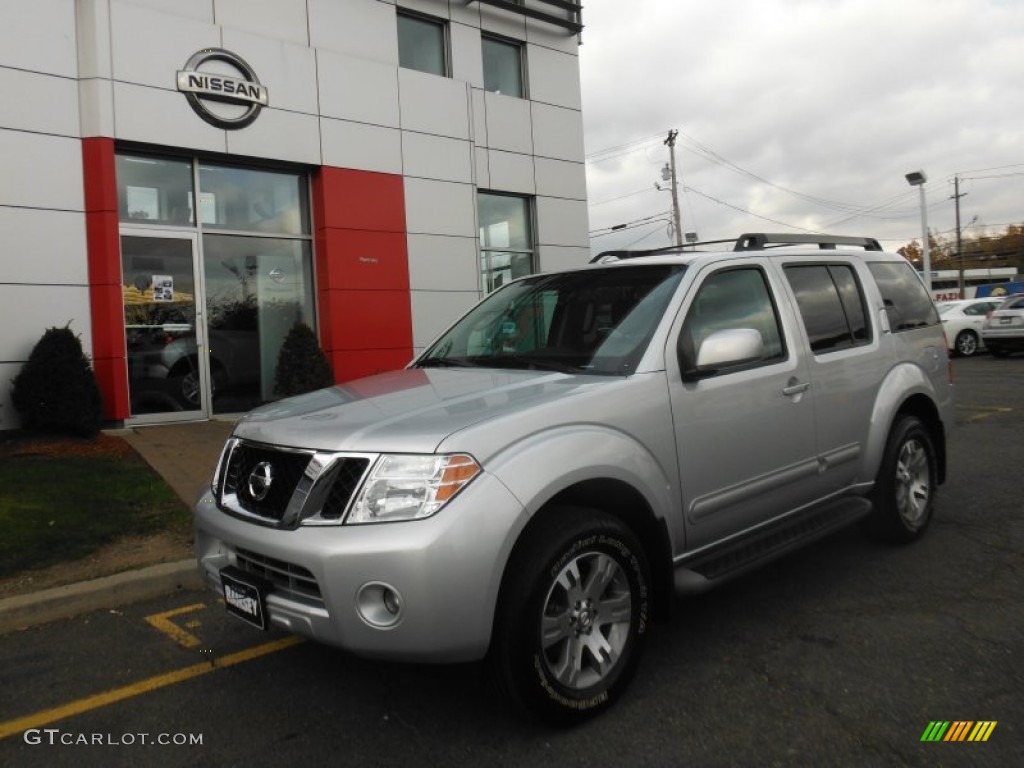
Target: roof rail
point(604, 256)
point(751, 241)
point(758, 241)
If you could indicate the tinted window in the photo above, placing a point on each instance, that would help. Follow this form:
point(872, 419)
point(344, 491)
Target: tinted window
point(732, 298)
point(831, 306)
point(907, 302)
point(503, 67)
point(421, 45)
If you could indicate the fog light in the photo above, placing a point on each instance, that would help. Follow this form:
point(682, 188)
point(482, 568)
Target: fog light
point(379, 605)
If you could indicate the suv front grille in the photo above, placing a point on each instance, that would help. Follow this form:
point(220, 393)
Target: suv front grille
point(242, 479)
point(345, 483)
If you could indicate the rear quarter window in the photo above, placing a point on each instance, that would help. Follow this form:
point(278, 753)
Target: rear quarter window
point(907, 302)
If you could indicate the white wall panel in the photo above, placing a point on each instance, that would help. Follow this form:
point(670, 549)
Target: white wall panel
point(478, 127)
point(288, 70)
point(356, 89)
point(440, 208)
point(39, 36)
point(552, 258)
point(436, 8)
point(551, 36)
point(509, 123)
point(201, 10)
point(26, 311)
point(557, 132)
point(279, 135)
point(360, 146)
point(436, 157)
point(463, 12)
point(511, 172)
point(554, 77)
point(156, 116)
point(483, 171)
point(562, 222)
point(47, 104)
point(560, 178)
point(93, 39)
point(96, 107)
point(362, 28)
point(38, 171)
point(43, 246)
point(434, 311)
point(443, 263)
point(283, 20)
point(432, 104)
point(467, 54)
point(150, 47)
point(502, 22)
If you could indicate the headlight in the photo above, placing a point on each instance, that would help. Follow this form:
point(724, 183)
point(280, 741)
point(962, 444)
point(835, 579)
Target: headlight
point(403, 487)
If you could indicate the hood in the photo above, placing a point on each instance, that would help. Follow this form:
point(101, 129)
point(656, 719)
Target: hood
point(406, 411)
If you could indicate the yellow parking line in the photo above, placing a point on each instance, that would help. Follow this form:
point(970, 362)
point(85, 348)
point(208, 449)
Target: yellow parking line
point(98, 700)
point(162, 622)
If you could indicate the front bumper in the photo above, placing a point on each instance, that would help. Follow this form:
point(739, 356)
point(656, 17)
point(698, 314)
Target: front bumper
point(446, 571)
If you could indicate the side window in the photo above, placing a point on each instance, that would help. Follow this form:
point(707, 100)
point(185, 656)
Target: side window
point(422, 44)
point(729, 299)
point(503, 66)
point(907, 302)
point(831, 305)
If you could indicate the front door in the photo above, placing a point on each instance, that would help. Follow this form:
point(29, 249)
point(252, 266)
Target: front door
point(168, 371)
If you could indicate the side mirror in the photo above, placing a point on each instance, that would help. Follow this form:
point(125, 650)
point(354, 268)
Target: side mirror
point(727, 349)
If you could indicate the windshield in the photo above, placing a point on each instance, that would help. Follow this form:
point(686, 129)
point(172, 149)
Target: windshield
point(593, 321)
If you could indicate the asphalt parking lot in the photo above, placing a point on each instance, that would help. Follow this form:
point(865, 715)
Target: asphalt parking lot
point(840, 655)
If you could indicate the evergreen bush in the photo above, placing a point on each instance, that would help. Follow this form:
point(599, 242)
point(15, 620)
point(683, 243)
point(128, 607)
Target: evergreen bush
point(56, 390)
point(301, 366)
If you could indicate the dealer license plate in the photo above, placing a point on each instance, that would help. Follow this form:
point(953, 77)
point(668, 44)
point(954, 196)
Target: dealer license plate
point(244, 596)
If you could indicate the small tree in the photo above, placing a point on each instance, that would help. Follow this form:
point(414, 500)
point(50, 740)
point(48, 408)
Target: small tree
point(56, 390)
point(301, 366)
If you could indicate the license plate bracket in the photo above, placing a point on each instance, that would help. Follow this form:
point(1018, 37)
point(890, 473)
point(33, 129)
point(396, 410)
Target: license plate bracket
point(245, 596)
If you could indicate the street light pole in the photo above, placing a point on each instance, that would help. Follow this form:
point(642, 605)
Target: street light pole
point(917, 179)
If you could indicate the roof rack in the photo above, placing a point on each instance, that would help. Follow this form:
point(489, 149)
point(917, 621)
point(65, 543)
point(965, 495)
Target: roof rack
point(751, 241)
point(758, 241)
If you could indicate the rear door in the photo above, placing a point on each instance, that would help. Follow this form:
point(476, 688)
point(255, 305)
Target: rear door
point(845, 363)
point(745, 435)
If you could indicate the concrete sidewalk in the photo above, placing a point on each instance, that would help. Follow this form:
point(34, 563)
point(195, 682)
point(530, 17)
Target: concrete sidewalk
point(184, 455)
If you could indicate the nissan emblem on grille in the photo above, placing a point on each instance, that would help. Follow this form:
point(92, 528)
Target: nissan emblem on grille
point(260, 480)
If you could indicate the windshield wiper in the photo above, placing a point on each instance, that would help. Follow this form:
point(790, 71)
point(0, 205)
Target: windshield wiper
point(446, 362)
point(534, 362)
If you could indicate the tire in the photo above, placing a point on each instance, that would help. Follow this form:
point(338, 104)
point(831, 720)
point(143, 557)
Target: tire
point(966, 343)
point(904, 492)
point(575, 594)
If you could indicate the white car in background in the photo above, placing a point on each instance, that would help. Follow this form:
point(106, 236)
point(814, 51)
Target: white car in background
point(962, 321)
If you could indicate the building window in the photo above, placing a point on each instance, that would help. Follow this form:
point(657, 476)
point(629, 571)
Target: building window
point(503, 67)
point(506, 239)
point(421, 44)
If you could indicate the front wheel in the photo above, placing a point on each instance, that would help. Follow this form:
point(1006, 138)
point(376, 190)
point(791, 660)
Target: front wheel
point(904, 490)
point(572, 617)
point(966, 343)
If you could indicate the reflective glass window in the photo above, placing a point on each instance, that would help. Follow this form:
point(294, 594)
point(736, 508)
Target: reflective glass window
point(154, 190)
point(503, 67)
point(421, 44)
point(251, 200)
point(506, 238)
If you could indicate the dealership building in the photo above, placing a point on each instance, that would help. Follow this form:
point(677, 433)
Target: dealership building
point(182, 181)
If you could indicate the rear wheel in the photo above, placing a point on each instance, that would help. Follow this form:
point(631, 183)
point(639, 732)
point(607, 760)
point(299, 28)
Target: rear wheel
point(905, 487)
point(966, 343)
point(572, 616)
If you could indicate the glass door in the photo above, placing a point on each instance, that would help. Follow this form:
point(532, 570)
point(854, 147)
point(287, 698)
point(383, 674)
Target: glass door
point(168, 370)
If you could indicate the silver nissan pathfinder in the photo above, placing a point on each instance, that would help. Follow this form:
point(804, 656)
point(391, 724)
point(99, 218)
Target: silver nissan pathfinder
point(579, 447)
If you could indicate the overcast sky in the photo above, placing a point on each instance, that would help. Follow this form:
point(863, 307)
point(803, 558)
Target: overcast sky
point(803, 115)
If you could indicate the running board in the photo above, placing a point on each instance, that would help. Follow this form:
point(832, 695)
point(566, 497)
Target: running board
point(734, 558)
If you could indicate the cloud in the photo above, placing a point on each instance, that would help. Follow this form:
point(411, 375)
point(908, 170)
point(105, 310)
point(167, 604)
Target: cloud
point(803, 112)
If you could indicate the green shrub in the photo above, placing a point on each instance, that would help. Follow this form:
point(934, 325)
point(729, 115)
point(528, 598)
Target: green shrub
point(56, 390)
point(301, 366)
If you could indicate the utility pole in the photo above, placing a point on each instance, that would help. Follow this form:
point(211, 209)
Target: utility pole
point(670, 142)
point(959, 254)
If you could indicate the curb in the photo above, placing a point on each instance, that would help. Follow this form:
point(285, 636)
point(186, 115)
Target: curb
point(27, 611)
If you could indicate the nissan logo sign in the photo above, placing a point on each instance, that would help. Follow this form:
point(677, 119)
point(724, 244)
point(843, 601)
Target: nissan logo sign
point(217, 97)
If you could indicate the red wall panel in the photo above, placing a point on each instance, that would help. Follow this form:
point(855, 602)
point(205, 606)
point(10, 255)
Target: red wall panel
point(362, 269)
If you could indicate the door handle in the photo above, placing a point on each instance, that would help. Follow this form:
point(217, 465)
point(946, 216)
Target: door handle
point(795, 387)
